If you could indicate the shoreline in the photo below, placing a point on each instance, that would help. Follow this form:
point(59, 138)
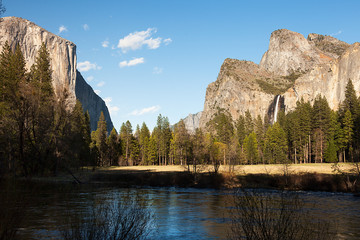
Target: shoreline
point(305, 177)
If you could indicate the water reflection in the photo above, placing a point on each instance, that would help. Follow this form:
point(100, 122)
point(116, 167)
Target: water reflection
point(179, 213)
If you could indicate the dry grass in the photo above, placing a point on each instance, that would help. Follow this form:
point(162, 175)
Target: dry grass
point(272, 169)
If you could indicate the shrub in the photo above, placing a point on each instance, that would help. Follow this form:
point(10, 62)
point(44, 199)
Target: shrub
point(117, 219)
point(268, 216)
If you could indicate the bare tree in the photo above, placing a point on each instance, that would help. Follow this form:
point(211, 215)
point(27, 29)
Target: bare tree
point(270, 216)
point(116, 220)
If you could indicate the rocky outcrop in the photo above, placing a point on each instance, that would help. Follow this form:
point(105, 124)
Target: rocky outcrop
point(237, 90)
point(293, 67)
point(62, 52)
point(290, 52)
point(329, 80)
point(91, 102)
point(192, 122)
point(327, 44)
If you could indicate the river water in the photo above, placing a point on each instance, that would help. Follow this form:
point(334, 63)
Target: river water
point(179, 213)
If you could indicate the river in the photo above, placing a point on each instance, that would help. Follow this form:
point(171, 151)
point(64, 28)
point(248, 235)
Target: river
point(179, 213)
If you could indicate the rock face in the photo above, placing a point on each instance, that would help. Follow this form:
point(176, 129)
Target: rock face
point(329, 80)
point(30, 37)
point(192, 122)
point(293, 67)
point(290, 52)
point(91, 102)
point(236, 90)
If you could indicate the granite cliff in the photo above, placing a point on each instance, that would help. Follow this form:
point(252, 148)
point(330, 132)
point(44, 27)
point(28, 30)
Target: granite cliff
point(29, 36)
point(294, 67)
point(192, 122)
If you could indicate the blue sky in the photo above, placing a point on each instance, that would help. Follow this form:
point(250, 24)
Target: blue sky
point(150, 57)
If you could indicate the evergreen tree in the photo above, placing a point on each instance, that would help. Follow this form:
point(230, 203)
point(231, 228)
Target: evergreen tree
point(41, 73)
point(162, 134)
point(330, 154)
point(303, 112)
point(221, 125)
point(240, 130)
point(144, 139)
point(321, 123)
point(249, 123)
point(135, 151)
point(198, 148)
point(113, 148)
point(181, 143)
point(152, 150)
point(347, 133)
point(79, 143)
point(275, 146)
point(101, 141)
point(292, 129)
point(126, 140)
point(251, 148)
point(260, 134)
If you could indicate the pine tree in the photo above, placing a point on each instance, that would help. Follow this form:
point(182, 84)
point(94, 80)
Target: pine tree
point(144, 139)
point(260, 134)
point(152, 151)
point(240, 130)
point(41, 73)
point(352, 104)
point(321, 115)
point(347, 133)
point(221, 125)
point(292, 129)
point(198, 145)
point(79, 143)
point(275, 146)
point(9, 88)
point(249, 124)
point(101, 143)
point(330, 155)
point(251, 148)
point(113, 147)
point(126, 140)
point(181, 143)
point(135, 151)
point(303, 112)
point(162, 136)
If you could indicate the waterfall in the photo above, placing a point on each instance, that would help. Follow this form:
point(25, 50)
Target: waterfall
point(276, 108)
point(297, 96)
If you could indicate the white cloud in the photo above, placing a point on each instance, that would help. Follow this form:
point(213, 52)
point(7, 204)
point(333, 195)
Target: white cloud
point(100, 84)
point(136, 40)
point(86, 27)
point(145, 111)
point(167, 41)
point(105, 44)
point(97, 91)
point(112, 109)
point(157, 70)
point(90, 78)
point(133, 62)
point(86, 66)
point(337, 33)
point(62, 28)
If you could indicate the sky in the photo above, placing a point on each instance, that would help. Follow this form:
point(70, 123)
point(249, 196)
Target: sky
point(146, 58)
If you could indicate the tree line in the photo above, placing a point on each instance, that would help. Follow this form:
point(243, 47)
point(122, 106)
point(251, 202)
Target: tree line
point(41, 134)
point(311, 133)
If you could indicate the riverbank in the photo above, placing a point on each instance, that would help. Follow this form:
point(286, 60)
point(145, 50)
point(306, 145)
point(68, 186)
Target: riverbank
point(307, 177)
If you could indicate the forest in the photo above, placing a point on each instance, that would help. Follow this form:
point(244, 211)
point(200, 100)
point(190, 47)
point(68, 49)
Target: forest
point(42, 134)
